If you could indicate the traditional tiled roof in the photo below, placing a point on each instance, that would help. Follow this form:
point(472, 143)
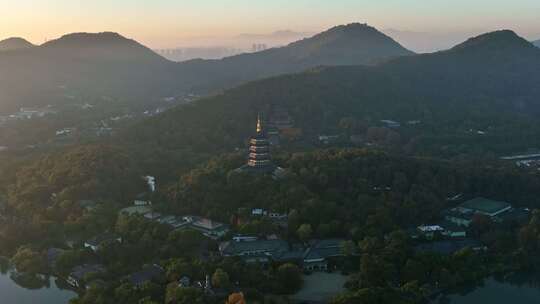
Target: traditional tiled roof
point(149, 273)
point(274, 247)
point(79, 272)
point(323, 249)
point(449, 247)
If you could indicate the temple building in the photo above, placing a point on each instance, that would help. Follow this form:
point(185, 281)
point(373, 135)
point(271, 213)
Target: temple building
point(259, 157)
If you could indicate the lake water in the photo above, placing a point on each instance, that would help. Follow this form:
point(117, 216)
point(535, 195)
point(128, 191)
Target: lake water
point(519, 290)
point(46, 293)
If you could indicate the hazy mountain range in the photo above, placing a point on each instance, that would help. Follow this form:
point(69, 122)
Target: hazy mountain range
point(82, 65)
point(537, 43)
point(352, 44)
point(93, 66)
point(488, 80)
point(107, 64)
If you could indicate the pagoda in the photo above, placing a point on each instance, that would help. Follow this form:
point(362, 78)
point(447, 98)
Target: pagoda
point(259, 157)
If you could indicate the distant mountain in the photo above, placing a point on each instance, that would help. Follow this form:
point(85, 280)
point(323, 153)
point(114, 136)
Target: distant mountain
point(109, 65)
point(90, 65)
point(277, 35)
point(490, 81)
point(537, 43)
point(427, 42)
point(14, 43)
point(352, 44)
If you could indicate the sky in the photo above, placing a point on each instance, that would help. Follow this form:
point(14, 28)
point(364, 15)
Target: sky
point(166, 23)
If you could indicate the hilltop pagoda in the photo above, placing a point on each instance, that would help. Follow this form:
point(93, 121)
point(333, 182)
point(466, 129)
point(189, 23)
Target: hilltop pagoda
point(259, 156)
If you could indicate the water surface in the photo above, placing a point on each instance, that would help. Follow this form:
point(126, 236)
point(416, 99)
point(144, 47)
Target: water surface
point(521, 289)
point(39, 291)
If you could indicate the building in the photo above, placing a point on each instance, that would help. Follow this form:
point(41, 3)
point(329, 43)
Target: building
point(259, 157)
point(458, 218)
point(262, 251)
point(430, 231)
point(244, 238)
point(184, 281)
point(390, 123)
point(88, 205)
point(329, 139)
point(136, 210)
point(102, 240)
point(319, 254)
point(52, 256)
point(142, 199)
point(147, 274)
point(443, 229)
point(450, 246)
point(484, 206)
point(80, 273)
point(207, 227)
point(464, 213)
point(452, 230)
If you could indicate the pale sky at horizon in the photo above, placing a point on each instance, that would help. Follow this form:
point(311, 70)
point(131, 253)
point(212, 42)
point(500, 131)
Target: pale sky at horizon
point(164, 23)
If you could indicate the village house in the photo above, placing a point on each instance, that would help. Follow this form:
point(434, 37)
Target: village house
point(147, 274)
point(88, 205)
point(184, 281)
point(52, 256)
point(102, 240)
point(207, 227)
point(142, 199)
point(448, 247)
point(390, 123)
point(80, 273)
point(443, 229)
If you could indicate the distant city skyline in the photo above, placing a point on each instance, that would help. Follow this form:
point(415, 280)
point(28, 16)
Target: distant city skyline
point(169, 23)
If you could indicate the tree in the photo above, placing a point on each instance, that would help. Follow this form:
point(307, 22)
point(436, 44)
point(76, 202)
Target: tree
point(220, 279)
point(348, 248)
point(236, 298)
point(304, 232)
point(28, 260)
point(181, 295)
point(290, 278)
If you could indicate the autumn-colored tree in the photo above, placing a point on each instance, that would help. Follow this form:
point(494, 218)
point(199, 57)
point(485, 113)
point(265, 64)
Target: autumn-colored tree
point(236, 298)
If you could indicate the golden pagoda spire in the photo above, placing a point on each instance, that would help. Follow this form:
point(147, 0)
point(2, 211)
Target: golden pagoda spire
point(259, 123)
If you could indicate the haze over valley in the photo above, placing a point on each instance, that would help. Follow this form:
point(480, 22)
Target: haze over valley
point(277, 152)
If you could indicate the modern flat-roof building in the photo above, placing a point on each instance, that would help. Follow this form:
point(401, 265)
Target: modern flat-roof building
point(464, 213)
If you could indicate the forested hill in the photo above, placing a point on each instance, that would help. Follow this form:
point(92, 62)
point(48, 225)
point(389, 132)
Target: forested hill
point(94, 66)
point(352, 44)
point(489, 81)
point(107, 65)
point(14, 43)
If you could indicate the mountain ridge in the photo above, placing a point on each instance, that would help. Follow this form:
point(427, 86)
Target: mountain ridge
point(15, 43)
point(351, 44)
point(471, 80)
point(109, 64)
